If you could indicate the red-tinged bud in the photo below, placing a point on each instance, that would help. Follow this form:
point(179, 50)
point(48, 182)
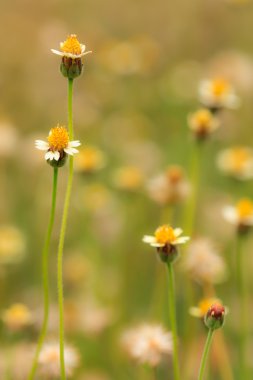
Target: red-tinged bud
point(214, 318)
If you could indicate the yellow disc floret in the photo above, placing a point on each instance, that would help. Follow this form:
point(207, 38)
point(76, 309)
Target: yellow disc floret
point(205, 304)
point(220, 87)
point(240, 157)
point(71, 45)
point(165, 234)
point(244, 208)
point(58, 138)
point(203, 118)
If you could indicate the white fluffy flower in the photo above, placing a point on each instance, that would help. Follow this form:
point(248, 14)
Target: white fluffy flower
point(240, 214)
point(218, 93)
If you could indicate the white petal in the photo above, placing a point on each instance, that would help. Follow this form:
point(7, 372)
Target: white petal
point(41, 145)
point(56, 155)
point(230, 214)
point(178, 231)
point(70, 151)
point(157, 245)
point(74, 144)
point(49, 155)
point(57, 52)
point(181, 240)
point(149, 239)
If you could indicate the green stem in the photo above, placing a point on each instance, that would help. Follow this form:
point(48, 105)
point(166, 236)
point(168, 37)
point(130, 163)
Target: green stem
point(205, 354)
point(242, 295)
point(62, 235)
point(45, 277)
point(173, 322)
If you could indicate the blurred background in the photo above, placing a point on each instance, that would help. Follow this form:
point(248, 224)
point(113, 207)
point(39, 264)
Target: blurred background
point(130, 113)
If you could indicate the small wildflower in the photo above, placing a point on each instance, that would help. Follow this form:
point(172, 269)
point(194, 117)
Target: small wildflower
point(214, 318)
point(17, 317)
point(129, 178)
point(169, 187)
point(166, 240)
point(203, 262)
point(12, 245)
point(240, 215)
point(203, 306)
point(237, 162)
point(90, 160)
point(71, 52)
point(147, 344)
point(217, 94)
point(203, 123)
point(57, 146)
point(49, 360)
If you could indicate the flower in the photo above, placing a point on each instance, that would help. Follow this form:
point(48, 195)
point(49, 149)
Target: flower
point(217, 93)
point(203, 122)
point(165, 235)
point(203, 307)
point(214, 318)
point(203, 262)
point(71, 48)
point(169, 187)
point(129, 178)
point(57, 145)
point(147, 343)
point(17, 317)
point(240, 215)
point(90, 160)
point(12, 245)
point(49, 360)
point(237, 162)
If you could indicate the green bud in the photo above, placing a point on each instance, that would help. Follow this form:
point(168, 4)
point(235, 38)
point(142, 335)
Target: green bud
point(58, 163)
point(214, 318)
point(168, 253)
point(71, 68)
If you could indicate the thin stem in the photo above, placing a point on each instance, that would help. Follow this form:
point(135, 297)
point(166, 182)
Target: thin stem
point(205, 354)
point(242, 295)
point(62, 235)
point(45, 277)
point(173, 322)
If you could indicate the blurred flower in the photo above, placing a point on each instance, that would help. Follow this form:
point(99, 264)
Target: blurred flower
point(237, 162)
point(129, 178)
point(57, 144)
point(165, 235)
point(49, 360)
point(96, 197)
point(9, 140)
point(203, 262)
point(147, 343)
point(12, 245)
point(89, 160)
point(203, 123)
point(203, 307)
point(217, 93)
point(17, 317)
point(71, 48)
point(241, 214)
point(169, 187)
point(95, 318)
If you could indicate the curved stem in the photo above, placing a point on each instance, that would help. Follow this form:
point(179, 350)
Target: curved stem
point(205, 354)
point(173, 322)
point(45, 277)
point(242, 295)
point(62, 235)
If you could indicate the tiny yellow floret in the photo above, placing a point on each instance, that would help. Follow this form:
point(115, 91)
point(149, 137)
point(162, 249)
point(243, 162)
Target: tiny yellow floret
point(244, 208)
point(165, 234)
point(220, 87)
point(58, 138)
point(239, 157)
point(71, 45)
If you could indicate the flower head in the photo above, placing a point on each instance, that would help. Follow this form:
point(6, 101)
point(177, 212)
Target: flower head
point(214, 318)
point(217, 93)
point(237, 162)
point(57, 146)
point(147, 344)
point(71, 48)
point(49, 360)
point(90, 160)
point(128, 178)
point(12, 245)
point(203, 306)
point(17, 317)
point(203, 123)
point(240, 215)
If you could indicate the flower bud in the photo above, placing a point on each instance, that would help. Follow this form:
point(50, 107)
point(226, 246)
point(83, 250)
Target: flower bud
point(214, 318)
point(58, 163)
point(168, 253)
point(71, 67)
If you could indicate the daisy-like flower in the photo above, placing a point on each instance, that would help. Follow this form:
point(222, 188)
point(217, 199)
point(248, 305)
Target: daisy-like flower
point(203, 122)
point(203, 306)
point(166, 240)
point(147, 344)
point(90, 160)
point(49, 360)
point(217, 93)
point(71, 48)
point(58, 146)
point(237, 162)
point(240, 215)
point(17, 317)
point(128, 178)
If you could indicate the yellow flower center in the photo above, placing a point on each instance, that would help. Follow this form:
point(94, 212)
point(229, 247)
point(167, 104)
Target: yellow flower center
point(244, 208)
point(58, 138)
point(220, 87)
point(240, 156)
point(165, 234)
point(205, 304)
point(203, 118)
point(71, 45)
